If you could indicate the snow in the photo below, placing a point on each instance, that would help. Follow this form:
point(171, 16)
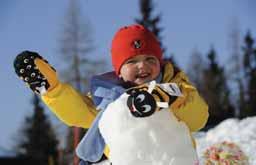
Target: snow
point(159, 139)
point(241, 132)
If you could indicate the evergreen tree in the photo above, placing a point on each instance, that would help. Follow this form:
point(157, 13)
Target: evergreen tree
point(149, 21)
point(216, 92)
point(235, 68)
point(75, 46)
point(195, 69)
point(38, 140)
point(152, 23)
point(249, 63)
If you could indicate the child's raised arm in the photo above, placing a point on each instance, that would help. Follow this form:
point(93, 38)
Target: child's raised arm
point(64, 101)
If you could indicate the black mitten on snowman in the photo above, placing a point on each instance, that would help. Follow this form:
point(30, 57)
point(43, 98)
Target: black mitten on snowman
point(146, 99)
point(141, 103)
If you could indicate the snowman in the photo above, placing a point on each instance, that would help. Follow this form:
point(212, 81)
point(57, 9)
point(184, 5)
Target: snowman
point(141, 129)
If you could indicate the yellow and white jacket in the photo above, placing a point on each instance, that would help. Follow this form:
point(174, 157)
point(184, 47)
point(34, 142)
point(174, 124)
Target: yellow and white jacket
point(76, 110)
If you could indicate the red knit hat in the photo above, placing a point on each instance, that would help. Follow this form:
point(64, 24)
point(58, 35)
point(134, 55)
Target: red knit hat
point(133, 40)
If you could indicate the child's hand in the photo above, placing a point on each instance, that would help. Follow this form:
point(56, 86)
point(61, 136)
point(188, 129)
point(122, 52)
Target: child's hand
point(35, 72)
point(141, 103)
point(145, 99)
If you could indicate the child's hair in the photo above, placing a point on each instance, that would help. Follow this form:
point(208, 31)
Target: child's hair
point(133, 40)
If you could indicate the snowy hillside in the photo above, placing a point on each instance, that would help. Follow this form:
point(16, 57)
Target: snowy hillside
point(241, 132)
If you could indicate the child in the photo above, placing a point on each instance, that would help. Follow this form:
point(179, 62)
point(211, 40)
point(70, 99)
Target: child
point(137, 59)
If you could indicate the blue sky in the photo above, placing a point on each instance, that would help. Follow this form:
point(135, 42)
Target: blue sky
point(37, 25)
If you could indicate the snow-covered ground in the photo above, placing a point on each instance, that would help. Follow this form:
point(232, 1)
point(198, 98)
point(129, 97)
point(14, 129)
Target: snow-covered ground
point(241, 132)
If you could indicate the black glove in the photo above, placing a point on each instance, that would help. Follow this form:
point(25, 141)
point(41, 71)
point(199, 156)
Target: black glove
point(141, 103)
point(28, 71)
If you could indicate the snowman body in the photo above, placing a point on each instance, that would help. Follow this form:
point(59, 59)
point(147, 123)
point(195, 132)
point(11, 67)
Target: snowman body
point(159, 139)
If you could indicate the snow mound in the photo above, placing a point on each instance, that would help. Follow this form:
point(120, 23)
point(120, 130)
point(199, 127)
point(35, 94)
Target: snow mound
point(240, 132)
point(159, 139)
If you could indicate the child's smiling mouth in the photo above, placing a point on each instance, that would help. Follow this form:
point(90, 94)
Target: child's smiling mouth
point(142, 75)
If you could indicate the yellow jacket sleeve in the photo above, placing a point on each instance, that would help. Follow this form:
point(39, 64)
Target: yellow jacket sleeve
point(192, 108)
point(69, 106)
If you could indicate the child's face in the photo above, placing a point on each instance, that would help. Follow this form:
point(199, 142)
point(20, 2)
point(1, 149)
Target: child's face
point(140, 69)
